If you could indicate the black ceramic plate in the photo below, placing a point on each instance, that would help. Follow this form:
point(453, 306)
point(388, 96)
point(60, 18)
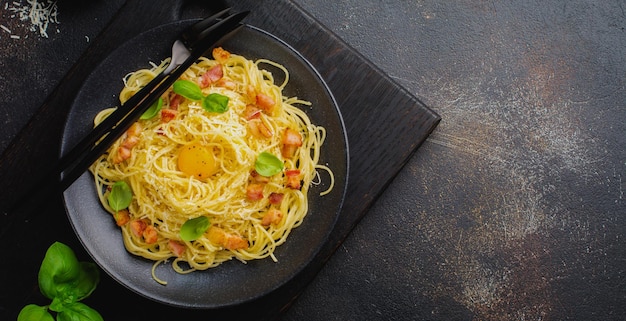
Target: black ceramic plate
point(232, 282)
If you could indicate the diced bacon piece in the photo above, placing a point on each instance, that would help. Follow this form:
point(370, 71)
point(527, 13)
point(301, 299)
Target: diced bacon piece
point(227, 240)
point(251, 93)
point(216, 72)
point(216, 235)
point(226, 83)
point(276, 198)
point(121, 217)
point(292, 137)
point(176, 247)
point(272, 216)
point(175, 100)
point(259, 129)
point(293, 178)
point(288, 151)
point(254, 192)
point(234, 242)
point(265, 102)
point(134, 130)
point(129, 140)
point(256, 177)
point(122, 154)
point(150, 234)
point(168, 114)
point(137, 227)
point(204, 80)
point(212, 75)
point(220, 54)
point(251, 112)
point(291, 140)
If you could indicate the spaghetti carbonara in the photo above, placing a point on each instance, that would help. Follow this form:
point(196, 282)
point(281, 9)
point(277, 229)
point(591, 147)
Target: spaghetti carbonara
point(218, 168)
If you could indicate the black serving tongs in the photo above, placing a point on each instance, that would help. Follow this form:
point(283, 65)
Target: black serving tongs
point(190, 45)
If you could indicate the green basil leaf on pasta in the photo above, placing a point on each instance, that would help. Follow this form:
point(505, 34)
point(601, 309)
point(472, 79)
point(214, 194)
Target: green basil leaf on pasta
point(194, 228)
point(153, 110)
point(268, 164)
point(188, 89)
point(120, 196)
point(33, 312)
point(215, 103)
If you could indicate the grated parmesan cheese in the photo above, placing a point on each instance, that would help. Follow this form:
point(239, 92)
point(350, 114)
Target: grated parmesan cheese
point(40, 14)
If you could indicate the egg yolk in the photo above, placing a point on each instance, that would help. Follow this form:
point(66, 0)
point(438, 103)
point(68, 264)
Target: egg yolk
point(197, 160)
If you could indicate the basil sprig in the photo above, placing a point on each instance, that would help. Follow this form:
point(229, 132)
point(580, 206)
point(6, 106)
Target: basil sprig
point(213, 103)
point(120, 196)
point(188, 89)
point(66, 281)
point(194, 228)
point(35, 312)
point(153, 110)
point(268, 164)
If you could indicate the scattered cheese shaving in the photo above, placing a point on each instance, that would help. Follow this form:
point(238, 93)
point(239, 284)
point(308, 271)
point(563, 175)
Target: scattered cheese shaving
point(39, 13)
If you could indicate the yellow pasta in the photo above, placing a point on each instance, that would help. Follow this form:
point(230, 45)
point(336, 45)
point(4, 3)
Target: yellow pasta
point(187, 162)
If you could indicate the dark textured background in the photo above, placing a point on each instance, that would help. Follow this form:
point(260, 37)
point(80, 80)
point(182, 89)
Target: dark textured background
point(513, 209)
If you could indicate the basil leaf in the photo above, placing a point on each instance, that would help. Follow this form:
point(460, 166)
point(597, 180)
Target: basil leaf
point(79, 312)
point(153, 110)
point(58, 271)
point(188, 89)
point(120, 196)
point(58, 303)
point(215, 103)
point(64, 279)
point(87, 281)
point(267, 164)
point(33, 312)
point(194, 228)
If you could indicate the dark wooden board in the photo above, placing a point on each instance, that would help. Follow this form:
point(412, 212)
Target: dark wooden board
point(385, 125)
